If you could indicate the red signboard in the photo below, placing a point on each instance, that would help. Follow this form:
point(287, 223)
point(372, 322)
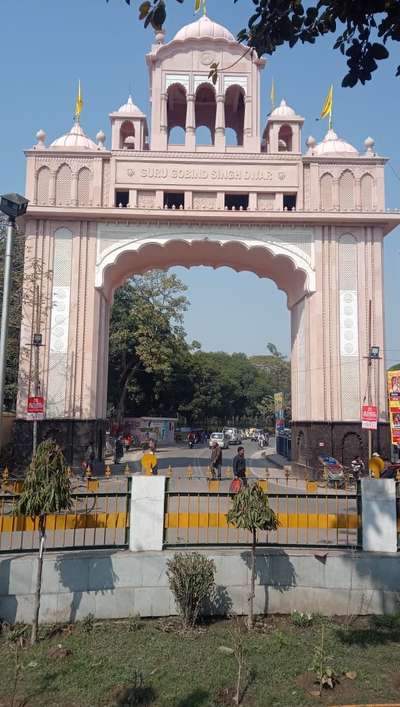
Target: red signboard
point(36, 405)
point(369, 417)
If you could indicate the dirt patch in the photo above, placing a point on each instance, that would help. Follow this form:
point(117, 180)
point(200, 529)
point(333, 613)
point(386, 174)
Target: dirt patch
point(345, 692)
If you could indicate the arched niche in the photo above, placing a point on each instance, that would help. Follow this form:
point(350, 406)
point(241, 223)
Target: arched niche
point(176, 111)
point(346, 191)
point(43, 182)
point(326, 191)
point(235, 111)
point(63, 185)
point(177, 136)
point(205, 110)
point(126, 132)
point(285, 139)
point(84, 179)
point(367, 192)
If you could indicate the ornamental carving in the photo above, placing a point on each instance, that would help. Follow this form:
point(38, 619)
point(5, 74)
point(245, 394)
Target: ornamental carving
point(205, 200)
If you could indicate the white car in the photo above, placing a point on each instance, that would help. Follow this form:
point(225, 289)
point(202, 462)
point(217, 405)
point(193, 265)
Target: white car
point(233, 435)
point(220, 438)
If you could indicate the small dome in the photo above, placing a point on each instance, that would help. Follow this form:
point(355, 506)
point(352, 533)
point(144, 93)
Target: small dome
point(75, 139)
point(334, 145)
point(204, 27)
point(129, 108)
point(283, 111)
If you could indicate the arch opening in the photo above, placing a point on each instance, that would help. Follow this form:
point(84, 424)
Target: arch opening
point(127, 136)
point(176, 113)
point(234, 114)
point(285, 139)
point(205, 113)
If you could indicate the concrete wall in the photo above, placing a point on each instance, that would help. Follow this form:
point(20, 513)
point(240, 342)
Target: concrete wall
point(119, 584)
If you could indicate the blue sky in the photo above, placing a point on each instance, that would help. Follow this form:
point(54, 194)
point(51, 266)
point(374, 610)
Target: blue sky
point(48, 44)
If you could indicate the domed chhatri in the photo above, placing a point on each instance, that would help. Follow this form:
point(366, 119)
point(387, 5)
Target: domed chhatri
point(334, 145)
point(131, 109)
point(204, 28)
point(283, 111)
point(75, 139)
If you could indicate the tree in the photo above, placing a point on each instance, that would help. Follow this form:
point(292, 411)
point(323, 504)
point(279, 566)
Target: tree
point(47, 489)
point(278, 373)
point(274, 23)
point(251, 511)
point(146, 337)
point(24, 282)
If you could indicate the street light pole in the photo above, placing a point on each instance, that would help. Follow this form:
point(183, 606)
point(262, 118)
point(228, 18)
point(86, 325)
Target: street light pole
point(4, 314)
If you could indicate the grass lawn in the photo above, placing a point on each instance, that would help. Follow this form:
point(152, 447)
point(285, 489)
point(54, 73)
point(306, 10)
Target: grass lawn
point(141, 662)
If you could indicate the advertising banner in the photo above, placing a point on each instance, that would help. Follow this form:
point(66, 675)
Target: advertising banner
point(279, 412)
point(369, 417)
point(393, 379)
point(35, 408)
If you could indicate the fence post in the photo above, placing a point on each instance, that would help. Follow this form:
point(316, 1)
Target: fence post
point(147, 513)
point(379, 515)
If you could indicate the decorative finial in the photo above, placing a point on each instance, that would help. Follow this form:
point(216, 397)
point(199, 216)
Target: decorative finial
point(160, 36)
point(41, 137)
point(311, 142)
point(101, 138)
point(369, 145)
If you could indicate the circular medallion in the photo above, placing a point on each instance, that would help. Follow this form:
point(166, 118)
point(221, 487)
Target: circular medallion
point(207, 58)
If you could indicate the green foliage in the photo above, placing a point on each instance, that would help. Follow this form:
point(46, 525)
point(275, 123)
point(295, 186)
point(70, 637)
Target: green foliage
point(301, 619)
point(191, 580)
point(368, 26)
point(251, 510)
point(47, 487)
point(87, 623)
point(321, 665)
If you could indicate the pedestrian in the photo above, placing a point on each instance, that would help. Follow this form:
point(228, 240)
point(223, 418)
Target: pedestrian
point(376, 465)
point(357, 467)
point(216, 460)
point(152, 445)
point(239, 466)
point(149, 462)
point(89, 458)
point(119, 450)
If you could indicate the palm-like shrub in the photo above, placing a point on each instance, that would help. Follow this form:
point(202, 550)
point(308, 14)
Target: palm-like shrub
point(251, 511)
point(47, 489)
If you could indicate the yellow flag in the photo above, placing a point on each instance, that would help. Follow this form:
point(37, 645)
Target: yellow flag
point(198, 4)
point(326, 111)
point(78, 103)
point(272, 94)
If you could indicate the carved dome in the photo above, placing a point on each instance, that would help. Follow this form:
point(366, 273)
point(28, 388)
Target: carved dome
point(283, 111)
point(204, 28)
point(75, 139)
point(333, 145)
point(129, 108)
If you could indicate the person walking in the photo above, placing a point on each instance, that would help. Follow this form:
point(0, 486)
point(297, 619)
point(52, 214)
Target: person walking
point(89, 458)
point(216, 460)
point(119, 450)
point(357, 467)
point(149, 462)
point(239, 466)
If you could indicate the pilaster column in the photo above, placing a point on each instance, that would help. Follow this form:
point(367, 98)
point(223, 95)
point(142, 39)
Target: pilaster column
point(247, 116)
point(190, 127)
point(52, 188)
point(220, 123)
point(336, 194)
point(74, 189)
point(358, 194)
point(163, 117)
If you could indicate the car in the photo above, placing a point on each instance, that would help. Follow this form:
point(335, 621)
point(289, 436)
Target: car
point(233, 435)
point(219, 437)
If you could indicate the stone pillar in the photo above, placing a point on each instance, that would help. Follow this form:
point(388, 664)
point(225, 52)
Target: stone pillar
point(358, 194)
point(220, 123)
point(74, 189)
point(52, 188)
point(379, 517)
point(336, 203)
point(247, 132)
point(164, 122)
point(190, 141)
point(147, 514)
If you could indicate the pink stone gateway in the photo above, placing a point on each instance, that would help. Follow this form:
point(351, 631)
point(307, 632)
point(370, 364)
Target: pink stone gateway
point(248, 199)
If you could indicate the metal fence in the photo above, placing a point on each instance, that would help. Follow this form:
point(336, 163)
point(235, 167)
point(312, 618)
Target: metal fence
point(329, 518)
point(97, 519)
